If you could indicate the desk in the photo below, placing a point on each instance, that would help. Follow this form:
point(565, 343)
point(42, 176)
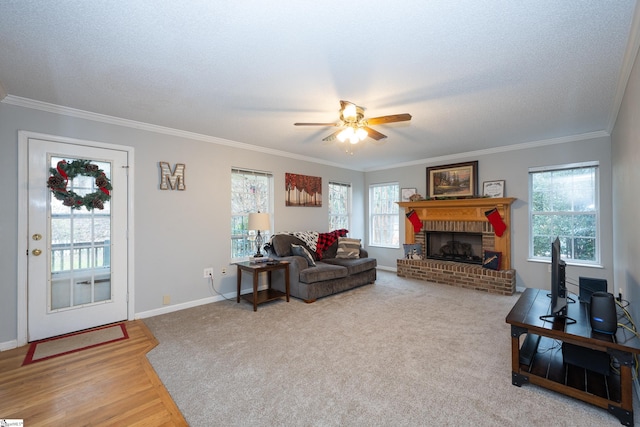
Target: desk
point(268, 294)
point(613, 392)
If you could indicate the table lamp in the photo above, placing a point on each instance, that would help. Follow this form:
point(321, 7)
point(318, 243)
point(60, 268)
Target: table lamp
point(259, 221)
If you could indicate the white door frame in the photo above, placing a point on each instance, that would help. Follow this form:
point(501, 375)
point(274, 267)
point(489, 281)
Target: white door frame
point(23, 231)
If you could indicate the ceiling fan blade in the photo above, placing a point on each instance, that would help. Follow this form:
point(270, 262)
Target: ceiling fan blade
point(374, 134)
point(332, 136)
point(389, 119)
point(316, 124)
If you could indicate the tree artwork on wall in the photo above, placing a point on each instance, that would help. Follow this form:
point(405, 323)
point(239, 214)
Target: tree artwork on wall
point(303, 190)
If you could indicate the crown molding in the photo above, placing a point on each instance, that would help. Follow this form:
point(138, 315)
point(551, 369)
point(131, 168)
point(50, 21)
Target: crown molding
point(103, 118)
point(514, 147)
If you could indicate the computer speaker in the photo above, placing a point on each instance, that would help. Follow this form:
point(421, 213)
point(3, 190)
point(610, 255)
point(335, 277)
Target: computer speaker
point(602, 313)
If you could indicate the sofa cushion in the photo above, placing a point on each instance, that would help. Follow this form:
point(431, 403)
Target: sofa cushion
point(281, 244)
point(323, 271)
point(348, 248)
point(354, 266)
point(331, 251)
point(304, 253)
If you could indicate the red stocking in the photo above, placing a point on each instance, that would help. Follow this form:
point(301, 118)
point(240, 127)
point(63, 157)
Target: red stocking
point(413, 217)
point(496, 220)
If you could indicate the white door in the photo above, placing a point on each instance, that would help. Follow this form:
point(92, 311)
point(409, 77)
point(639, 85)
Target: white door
point(77, 257)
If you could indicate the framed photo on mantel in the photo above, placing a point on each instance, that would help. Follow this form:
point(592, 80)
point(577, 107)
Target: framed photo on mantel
point(406, 193)
point(456, 180)
point(493, 188)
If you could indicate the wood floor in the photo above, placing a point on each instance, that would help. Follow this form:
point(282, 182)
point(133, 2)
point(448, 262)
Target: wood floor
point(111, 385)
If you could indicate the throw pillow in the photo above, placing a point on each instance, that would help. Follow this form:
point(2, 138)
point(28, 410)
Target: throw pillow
point(348, 248)
point(304, 253)
point(281, 244)
point(412, 251)
point(492, 260)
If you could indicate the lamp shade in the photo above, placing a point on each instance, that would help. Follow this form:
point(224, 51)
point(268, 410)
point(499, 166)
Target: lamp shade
point(259, 221)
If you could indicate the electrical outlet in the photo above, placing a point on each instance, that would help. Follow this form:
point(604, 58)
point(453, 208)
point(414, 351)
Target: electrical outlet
point(166, 300)
point(208, 272)
point(224, 270)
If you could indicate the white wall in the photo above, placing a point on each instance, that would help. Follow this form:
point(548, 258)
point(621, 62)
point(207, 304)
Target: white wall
point(512, 166)
point(626, 190)
point(177, 233)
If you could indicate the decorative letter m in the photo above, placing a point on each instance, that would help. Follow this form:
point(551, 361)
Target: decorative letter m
point(175, 178)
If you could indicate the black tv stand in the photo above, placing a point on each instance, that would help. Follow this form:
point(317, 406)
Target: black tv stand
point(613, 392)
point(553, 317)
point(529, 349)
point(569, 299)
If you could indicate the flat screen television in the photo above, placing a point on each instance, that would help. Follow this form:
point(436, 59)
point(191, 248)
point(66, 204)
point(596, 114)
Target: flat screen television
point(558, 293)
point(558, 284)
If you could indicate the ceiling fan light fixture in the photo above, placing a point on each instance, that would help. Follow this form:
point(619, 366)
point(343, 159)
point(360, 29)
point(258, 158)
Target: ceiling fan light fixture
point(350, 112)
point(355, 126)
point(347, 133)
point(361, 133)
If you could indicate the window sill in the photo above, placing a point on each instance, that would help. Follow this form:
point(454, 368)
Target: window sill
point(383, 246)
point(569, 263)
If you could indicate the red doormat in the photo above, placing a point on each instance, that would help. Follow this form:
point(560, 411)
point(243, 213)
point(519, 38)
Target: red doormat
point(74, 342)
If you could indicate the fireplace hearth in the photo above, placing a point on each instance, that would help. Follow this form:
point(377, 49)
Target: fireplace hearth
point(454, 246)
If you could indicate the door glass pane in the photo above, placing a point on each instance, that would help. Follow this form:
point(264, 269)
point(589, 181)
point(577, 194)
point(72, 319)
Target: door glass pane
point(80, 264)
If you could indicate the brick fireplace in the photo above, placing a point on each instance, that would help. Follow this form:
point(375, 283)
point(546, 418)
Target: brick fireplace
point(468, 216)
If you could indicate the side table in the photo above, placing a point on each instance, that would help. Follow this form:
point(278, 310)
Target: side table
point(258, 297)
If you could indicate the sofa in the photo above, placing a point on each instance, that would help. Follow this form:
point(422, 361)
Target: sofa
point(321, 271)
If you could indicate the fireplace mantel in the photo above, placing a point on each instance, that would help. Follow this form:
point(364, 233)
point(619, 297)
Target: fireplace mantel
point(464, 210)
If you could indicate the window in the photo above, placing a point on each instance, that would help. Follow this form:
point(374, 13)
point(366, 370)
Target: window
point(339, 205)
point(564, 204)
point(251, 191)
point(384, 225)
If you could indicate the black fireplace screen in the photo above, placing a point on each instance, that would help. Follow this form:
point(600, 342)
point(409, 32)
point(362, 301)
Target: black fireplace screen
point(454, 246)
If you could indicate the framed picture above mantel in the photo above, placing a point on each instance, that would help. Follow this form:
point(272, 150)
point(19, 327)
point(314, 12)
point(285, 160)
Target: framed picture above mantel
point(454, 180)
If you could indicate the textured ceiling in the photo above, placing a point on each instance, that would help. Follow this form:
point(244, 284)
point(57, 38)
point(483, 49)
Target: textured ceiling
point(475, 75)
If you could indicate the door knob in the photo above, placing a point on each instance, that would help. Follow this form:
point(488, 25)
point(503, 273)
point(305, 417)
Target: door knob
point(36, 236)
point(36, 252)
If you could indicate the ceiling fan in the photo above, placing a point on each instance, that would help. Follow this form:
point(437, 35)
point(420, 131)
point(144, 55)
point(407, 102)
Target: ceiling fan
point(355, 126)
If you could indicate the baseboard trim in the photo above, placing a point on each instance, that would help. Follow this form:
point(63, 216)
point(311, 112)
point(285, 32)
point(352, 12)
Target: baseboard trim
point(191, 304)
point(176, 307)
point(384, 268)
point(8, 345)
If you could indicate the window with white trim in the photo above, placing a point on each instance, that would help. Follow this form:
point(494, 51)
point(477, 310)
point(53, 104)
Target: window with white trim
point(339, 206)
point(251, 191)
point(564, 203)
point(384, 225)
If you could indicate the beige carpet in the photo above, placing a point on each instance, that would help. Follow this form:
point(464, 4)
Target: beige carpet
point(398, 353)
point(71, 343)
